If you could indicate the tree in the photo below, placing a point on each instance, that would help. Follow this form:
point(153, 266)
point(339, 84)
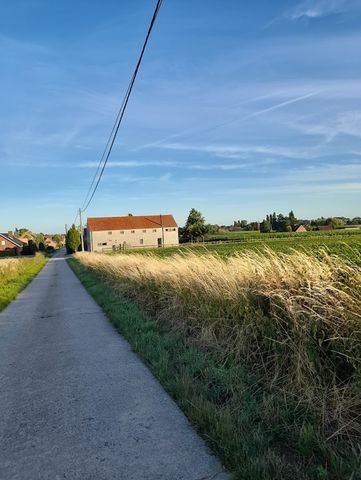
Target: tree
point(265, 226)
point(41, 247)
point(30, 248)
point(195, 226)
point(57, 240)
point(293, 219)
point(39, 238)
point(72, 240)
point(335, 222)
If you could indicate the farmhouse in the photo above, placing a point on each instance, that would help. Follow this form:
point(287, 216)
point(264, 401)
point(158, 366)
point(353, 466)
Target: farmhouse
point(9, 242)
point(120, 233)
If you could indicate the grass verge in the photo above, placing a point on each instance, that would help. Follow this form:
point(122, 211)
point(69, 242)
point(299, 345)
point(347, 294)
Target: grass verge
point(16, 274)
point(257, 431)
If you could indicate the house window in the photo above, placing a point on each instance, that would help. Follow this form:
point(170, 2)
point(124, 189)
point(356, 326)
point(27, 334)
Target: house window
point(102, 244)
point(144, 231)
point(133, 231)
point(2, 242)
point(141, 241)
point(121, 231)
point(166, 229)
point(109, 233)
point(154, 230)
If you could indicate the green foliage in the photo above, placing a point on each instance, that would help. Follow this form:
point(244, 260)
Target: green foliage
point(335, 222)
point(265, 226)
point(195, 226)
point(73, 240)
point(39, 238)
point(57, 240)
point(30, 248)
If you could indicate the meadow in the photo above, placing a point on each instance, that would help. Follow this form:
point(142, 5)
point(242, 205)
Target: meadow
point(15, 274)
point(337, 243)
point(259, 344)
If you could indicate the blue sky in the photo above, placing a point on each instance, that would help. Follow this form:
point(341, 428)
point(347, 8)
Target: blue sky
point(240, 108)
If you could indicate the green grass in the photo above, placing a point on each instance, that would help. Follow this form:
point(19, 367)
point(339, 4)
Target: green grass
point(16, 279)
point(258, 433)
point(247, 235)
point(340, 245)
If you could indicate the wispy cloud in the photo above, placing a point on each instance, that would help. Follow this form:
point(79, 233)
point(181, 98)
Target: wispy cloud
point(344, 123)
point(130, 164)
point(244, 150)
point(321, 8)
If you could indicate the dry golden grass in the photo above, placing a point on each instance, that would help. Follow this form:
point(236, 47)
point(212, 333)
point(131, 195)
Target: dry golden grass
point(294, 317)
point(11, 267)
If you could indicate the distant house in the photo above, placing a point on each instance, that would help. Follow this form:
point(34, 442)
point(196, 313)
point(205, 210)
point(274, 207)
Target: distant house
point(141, 231)
point(9, 242)
point(49, 242)
point(299, 229)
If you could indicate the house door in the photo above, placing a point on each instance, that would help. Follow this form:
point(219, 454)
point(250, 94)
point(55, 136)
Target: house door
point(159, 242)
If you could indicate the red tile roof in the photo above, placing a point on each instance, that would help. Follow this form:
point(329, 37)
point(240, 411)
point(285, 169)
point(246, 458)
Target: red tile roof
point(132, 222)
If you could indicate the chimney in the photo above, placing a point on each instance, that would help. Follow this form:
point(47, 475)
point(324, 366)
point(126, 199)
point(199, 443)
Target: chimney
point(10, 233)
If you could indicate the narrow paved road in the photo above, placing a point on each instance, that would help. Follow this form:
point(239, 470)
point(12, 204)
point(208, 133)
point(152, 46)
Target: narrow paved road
point(76, 403)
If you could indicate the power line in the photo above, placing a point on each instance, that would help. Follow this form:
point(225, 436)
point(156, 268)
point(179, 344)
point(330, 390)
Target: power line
point(107, 151)
point(76, 216)
point(103, 155)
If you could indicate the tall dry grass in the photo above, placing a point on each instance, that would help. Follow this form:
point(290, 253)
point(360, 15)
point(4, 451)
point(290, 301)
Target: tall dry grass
point(295, 318)
point(11, 267)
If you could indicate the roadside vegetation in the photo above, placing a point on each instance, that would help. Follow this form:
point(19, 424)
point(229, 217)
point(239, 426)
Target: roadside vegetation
point(15, 274)
point(261, 349)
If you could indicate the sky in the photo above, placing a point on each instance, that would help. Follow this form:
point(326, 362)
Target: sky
point(239, 109)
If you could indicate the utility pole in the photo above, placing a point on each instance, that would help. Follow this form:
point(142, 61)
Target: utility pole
point(66, 229)
point(161, 222)
point(81, 232)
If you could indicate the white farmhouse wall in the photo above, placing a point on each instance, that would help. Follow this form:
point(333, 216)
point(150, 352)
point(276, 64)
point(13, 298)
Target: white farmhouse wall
point(99, 241)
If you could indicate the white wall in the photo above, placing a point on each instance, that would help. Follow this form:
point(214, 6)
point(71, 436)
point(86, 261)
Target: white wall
point(138, 238)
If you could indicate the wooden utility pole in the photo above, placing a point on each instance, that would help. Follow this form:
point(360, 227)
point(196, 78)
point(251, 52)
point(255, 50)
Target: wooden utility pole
point(161, 222)
point(81, 232)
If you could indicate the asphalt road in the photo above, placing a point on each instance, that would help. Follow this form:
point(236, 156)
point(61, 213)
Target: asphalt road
point(77, 403)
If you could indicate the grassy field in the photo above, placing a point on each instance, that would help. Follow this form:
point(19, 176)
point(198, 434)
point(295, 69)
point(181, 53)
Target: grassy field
point(15, 274)
point(247, 235)
point(260, 349)
point(344, 245)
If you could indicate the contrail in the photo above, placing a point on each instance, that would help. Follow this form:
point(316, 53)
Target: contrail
point(233, 120)
point(283, 104)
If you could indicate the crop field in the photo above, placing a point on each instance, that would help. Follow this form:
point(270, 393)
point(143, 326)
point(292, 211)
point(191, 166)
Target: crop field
point(274, 385)
point(344, 245)
point(247, 235)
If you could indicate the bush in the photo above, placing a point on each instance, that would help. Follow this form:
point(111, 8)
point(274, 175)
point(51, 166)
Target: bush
point(72, 240)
